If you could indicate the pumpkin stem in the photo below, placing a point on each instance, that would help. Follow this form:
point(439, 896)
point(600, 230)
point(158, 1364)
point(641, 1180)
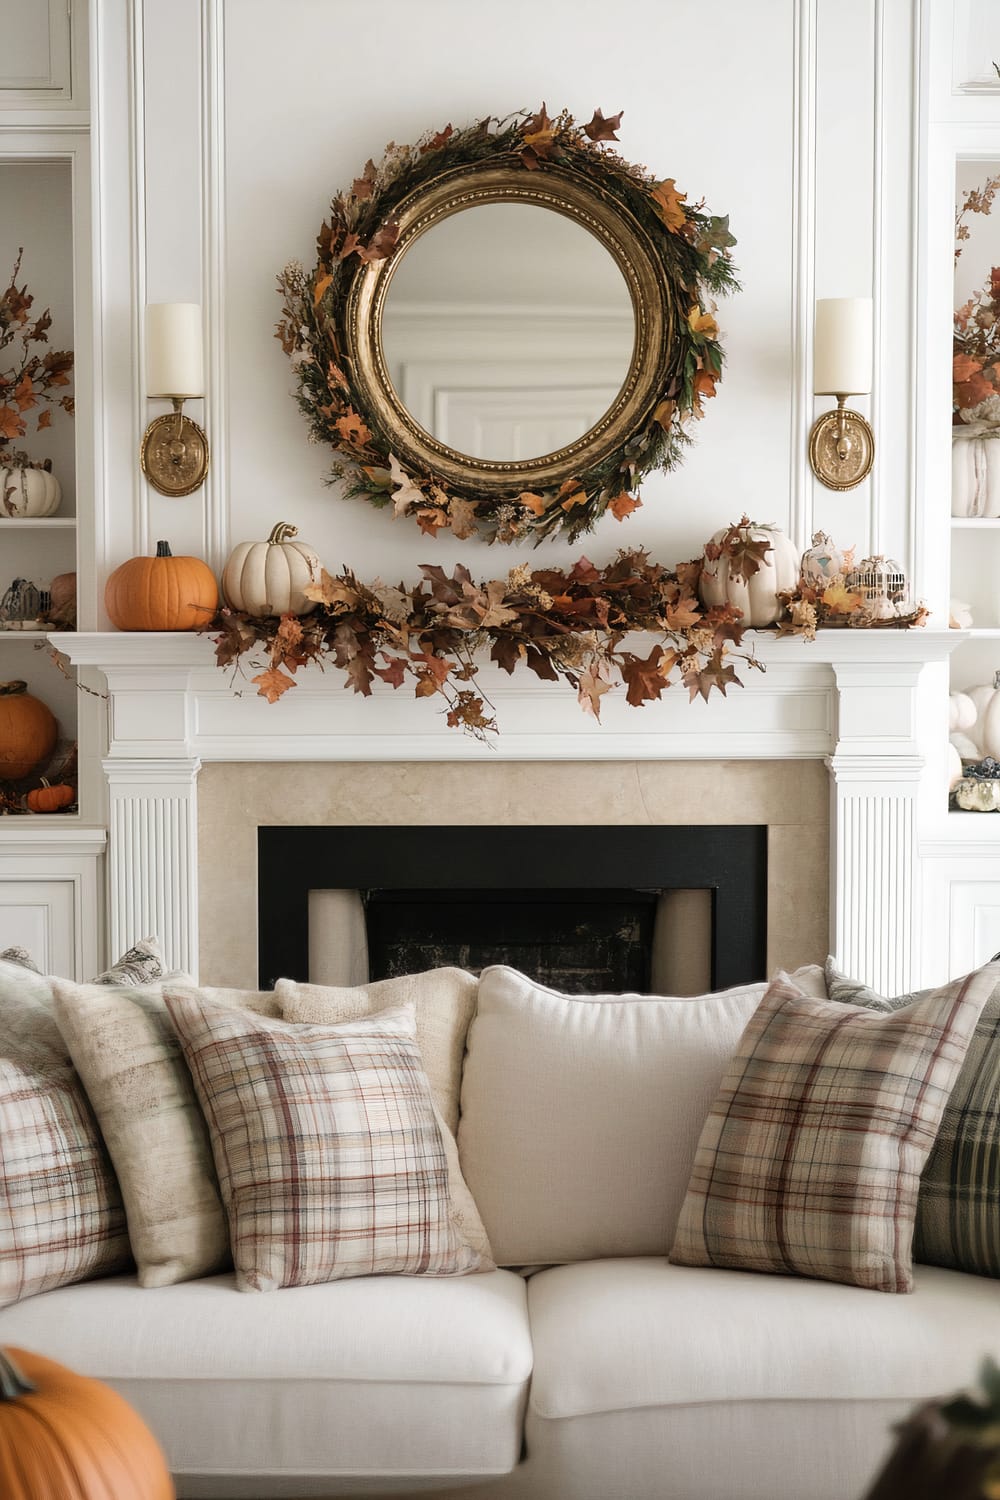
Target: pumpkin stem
point(11, 689)
point(13, 1383)
point(279, 533)
point(163, 549)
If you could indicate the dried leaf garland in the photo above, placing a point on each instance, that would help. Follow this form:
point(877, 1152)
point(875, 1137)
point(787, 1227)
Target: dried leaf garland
point(693, 253)
point(560, 624)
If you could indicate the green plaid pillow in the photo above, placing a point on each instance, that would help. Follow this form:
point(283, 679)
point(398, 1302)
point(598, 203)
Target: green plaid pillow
point(810, 1159)
point(958, 1212)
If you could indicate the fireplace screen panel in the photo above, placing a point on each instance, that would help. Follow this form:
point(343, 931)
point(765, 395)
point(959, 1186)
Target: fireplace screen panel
point(575, 907)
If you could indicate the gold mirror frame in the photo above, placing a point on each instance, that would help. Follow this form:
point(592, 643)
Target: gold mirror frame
point(673, 255)
point(626, 240)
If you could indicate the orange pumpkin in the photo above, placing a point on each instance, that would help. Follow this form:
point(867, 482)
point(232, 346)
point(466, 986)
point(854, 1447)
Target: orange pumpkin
point(62, 1434)
point(27, 731)
point(47, 798)
point(161, 593)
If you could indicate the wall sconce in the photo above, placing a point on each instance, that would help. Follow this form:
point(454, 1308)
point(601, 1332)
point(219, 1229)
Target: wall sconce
point(842, 444)
point(174, 452)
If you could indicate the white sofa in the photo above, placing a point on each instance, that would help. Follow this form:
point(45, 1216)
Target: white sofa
point(613, 1375)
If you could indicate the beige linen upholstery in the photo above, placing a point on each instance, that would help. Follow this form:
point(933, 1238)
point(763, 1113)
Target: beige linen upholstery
point(321, 1390)
point(810, 1159)
point(327, 1144)
point(445, 1002)
point(580, 1116)
point(130, 1063)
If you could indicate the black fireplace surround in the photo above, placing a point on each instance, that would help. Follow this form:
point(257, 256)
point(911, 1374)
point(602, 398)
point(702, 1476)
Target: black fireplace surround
point(571, 905)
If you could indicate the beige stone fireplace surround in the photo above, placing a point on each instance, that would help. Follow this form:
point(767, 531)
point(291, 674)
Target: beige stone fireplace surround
point(791, 799)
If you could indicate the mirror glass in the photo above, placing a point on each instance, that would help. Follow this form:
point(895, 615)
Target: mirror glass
point(507, 331)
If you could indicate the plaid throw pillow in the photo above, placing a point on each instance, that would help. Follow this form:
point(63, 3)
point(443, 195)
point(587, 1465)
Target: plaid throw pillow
point(958, 1210)
point(810, 1159)
point(61, 1214)
point(327, 1144)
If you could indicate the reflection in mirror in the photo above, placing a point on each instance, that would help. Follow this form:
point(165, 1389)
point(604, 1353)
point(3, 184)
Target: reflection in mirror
point(508, 331)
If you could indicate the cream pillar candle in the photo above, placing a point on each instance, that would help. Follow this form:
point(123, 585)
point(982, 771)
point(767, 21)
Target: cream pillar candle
point(842, 356)
point(174, 365)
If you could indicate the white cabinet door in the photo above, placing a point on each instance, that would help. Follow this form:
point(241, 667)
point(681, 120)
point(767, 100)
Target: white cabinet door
point(961, 928)
point(40, 916)
point(35, 56)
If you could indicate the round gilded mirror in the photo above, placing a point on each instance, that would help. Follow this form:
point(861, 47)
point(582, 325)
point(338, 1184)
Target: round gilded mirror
point(507, 326)
point(507, 331)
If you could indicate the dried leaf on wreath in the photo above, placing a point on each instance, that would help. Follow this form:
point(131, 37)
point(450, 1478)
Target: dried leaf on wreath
point(286, 642)
point(320, 288)
point(838, 599)
point(702, 323)
point(430, 519)
point(11, 425)
point(683, 613)
point(537, 504)
point(381, 244)
point(668, 204)
point(363, 186)
point(407, 493)
point(599, 128)
point(24, 393)
point(571, 494)
point(714, 675)
point(272, 683)
point(507, 652)
point(44, 420)
point(441, 138)
point(352, 430)
point(360, 670)
point(746, 553)
point(623, 505)
point(432, 671)
point(395, 670)
point(664, 413)
point(237, 636)
point(462, 514)
point(330, 591)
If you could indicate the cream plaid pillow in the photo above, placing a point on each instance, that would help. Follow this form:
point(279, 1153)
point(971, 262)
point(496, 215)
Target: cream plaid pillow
point(327, 1144)
point(810, 1159)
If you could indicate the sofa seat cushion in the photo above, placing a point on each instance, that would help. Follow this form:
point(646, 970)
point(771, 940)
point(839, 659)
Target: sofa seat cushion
point(621, 1334)
point(381, 1375)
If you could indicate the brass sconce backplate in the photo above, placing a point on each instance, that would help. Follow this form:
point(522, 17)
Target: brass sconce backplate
point(841, 449)
point(174, 454)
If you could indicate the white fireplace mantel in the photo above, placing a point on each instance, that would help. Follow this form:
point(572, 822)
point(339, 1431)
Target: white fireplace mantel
point(850, 698)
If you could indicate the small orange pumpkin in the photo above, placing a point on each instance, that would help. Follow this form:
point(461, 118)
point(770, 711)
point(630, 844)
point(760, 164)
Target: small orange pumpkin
point(161, 593)
point(63, 1434)
point(47, 798)
point(27, 731)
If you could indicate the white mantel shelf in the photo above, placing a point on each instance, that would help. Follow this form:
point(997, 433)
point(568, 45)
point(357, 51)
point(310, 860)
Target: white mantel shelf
point(168, 698)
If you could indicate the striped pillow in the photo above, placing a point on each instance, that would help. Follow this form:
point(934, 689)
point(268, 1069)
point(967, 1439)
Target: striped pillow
point(327, 1144)
point(958, 1210)
point(810, 1159)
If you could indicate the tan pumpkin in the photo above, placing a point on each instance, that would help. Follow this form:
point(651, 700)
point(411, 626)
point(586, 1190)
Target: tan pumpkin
point(29, 491)
point(161, 593)
point(756, 597)
point(48, 798)
point(268, 578)
point(28, 732)
point(62, 1434)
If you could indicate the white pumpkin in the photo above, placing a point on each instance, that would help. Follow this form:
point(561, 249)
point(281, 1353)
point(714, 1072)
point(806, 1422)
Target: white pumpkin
point(962, 712)
point(268, 578)
point(29, 492)
point(982, 696)
point(975, 473)
point(756, 597)
point(959, 615)
point(954, 767)
point(967, 749)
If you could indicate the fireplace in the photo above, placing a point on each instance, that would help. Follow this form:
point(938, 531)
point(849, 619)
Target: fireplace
point(573, 906)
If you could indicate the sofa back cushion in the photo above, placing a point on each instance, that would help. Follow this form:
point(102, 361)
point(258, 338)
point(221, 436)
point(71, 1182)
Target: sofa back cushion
point(581, 1115)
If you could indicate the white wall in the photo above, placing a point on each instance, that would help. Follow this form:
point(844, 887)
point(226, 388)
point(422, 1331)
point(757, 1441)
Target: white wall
point(249, 114)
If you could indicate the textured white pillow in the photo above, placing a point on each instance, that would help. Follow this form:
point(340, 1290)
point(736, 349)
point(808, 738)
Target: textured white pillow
point(581, 1115)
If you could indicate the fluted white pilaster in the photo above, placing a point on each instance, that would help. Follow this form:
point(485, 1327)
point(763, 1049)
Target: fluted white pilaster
point(153, 856)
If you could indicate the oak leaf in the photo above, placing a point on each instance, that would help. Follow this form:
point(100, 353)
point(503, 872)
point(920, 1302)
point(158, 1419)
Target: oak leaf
point(496, 613)
point(330, 590)
point(747, 554)
point(435, 143)
point(272, 683)
point(591, 687)
point(321, 285)
point(462, 514)
point(395, 670)
point(352, 429)
point(644, 677)
point(430, 519)
point(406, 492)
point(964, 366)
point(363, 186)
point(714, 234)
point(600, 128)
point(381, 244)
point(287, 639)
point(682, 614)
point(623, 505)
point(839, 599)
point(11, 425)
point(56, 364)
point(537, 504)
point(667, 201)
point(24, 393)
point(44, 420)
point(360, 670)
point(702, 324)
point(352, 245)
point(715, 674)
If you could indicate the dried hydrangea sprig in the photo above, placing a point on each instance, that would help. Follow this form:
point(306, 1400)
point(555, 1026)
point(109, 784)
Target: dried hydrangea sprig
point(570, 625)
point(692, 247)
point(32, 378)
